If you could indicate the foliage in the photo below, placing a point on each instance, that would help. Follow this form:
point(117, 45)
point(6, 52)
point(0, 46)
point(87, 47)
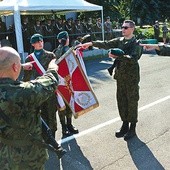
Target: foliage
point(147, 10)
point(142, 33)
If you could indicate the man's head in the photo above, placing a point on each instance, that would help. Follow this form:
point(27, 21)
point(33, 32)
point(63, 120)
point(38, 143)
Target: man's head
point(128, 28)
point(63, 38)
point(10, 64)
point(37, 41)
point(98, 19)
point(108, 18)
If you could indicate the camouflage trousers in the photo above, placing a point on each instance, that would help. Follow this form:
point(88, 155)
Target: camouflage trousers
point(22, 158)
point(127, 100)
point(48, 112)
point(65, 114)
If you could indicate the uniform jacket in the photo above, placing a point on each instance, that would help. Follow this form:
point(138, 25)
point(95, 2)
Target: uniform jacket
point(44, 60)
point(20, 102)
point(164, 50)
point(128, 66)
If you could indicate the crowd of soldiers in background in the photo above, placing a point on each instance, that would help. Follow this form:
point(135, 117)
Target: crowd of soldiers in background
point(49, 28)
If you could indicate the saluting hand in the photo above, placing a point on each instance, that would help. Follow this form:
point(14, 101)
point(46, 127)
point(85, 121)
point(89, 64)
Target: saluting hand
point(28, 65)
point(86, 45)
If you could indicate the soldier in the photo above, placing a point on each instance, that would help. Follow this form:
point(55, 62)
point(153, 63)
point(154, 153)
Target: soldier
point(69, 29)
point(108, 28)
point(163, 50)
point(58, 27)
point(89, 26)
point(48, 108)
point(38, 28)
point(98, 29)
point(49, 33)
point(12, 36)
point(26, 32)
point(165, 32)
point(3, 30)
point(65, 115)
point(20, 123)
point(156, 30)
point(127, 77)
point(78, 28)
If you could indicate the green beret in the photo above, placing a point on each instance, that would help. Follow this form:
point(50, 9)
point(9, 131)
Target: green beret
point(63, 34)
point(116, 51)
point(35, 38)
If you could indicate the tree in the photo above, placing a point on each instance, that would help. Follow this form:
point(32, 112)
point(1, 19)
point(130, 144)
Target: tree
point(147, 10)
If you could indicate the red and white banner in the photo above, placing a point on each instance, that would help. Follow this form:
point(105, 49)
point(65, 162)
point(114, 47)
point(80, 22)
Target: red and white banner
point(74, 85)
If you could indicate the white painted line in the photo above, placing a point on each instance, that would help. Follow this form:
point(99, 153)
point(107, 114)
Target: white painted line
point(109, 122)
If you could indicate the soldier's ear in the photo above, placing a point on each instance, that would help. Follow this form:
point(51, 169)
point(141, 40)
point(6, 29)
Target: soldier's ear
point(15, 67)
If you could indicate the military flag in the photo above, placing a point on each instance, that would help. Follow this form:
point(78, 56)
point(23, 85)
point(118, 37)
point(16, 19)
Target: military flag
point(74, 86)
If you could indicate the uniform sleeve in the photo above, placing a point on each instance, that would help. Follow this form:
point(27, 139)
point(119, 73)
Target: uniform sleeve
point(164, 51)
point(27, 73)
point(37, 91)
point(58, 53)
point(114, 43)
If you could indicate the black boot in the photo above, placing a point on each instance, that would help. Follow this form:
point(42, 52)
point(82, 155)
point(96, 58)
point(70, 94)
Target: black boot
point(60, 152)
point(131, 133)
point(65, 130)
point(57, 148)
point(70, 127)
point(123, 130)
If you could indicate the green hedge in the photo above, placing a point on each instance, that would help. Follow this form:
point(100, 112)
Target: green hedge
point(147, 32)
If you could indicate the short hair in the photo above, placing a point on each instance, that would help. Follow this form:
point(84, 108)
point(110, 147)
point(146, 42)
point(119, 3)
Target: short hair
point(131, 23)
point(8, 56)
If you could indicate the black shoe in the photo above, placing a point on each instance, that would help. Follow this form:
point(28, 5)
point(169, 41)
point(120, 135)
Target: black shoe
point(60, 152)
point(123, 130)
point(72, 129)
point(131, 133)
point(65, 132)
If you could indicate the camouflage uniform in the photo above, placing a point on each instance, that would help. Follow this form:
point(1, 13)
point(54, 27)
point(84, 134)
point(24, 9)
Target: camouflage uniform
point(20, 102)
point(127, 76)
point(48, 108)
point(164, 50)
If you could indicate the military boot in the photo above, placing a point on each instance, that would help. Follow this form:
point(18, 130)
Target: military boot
point(70, 127)
point(131, 133)
point(60, 152)
point(65, 130)
point(123, 130)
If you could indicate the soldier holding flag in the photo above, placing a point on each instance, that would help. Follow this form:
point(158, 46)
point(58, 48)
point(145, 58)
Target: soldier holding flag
point(66, 114)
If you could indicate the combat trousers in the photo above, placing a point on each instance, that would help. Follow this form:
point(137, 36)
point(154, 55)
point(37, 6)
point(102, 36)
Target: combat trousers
point(48, 112)
point(65, 114)
point(127, 100)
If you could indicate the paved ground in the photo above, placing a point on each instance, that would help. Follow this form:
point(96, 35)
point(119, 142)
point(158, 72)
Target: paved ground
point(96, 147)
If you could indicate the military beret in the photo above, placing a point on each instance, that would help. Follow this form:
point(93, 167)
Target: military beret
point(35, 38)
point(63, 34)
point(116, 51)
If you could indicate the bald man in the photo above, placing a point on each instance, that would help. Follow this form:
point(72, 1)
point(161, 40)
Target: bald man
point(19, 101)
